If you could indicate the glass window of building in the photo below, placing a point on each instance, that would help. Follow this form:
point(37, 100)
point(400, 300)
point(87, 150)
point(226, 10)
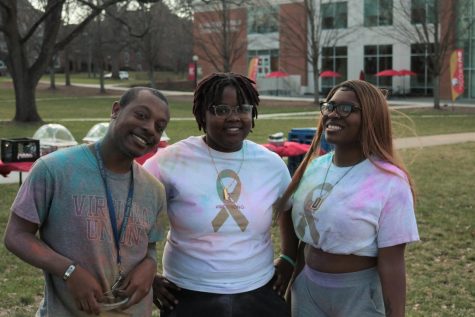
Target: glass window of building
point(421, 84)
point(466, 40)
point(334, 59)
point(334, 15)
point(262, 20)
point(376, 59)
point(378, 12)
point(423, 11)
point(268, 61)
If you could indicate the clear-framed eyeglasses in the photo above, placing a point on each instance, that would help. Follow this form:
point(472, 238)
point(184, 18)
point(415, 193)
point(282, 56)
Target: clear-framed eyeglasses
point(342, 109)
point(226, 110)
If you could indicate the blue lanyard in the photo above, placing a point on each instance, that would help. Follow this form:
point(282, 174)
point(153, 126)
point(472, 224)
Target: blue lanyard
point(110, 204)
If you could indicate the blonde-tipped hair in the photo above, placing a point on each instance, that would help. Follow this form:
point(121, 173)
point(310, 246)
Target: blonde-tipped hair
point(375, 133)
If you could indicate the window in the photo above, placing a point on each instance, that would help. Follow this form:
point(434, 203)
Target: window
point(378, 12)
point(268, 61)
point(262, 20)
point(334, 15)
point(420, 64)
point(376, 59)
point(423, 11)
point(465, 30)
point(334, 59)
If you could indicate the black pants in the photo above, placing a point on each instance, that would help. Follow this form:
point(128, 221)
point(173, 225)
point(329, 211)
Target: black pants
point(262, 302)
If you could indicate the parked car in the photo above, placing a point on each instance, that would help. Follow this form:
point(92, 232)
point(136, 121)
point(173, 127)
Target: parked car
point(123, 75)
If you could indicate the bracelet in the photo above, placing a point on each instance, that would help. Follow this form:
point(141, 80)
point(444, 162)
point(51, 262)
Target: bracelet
point(69, 271)
point(288, 259)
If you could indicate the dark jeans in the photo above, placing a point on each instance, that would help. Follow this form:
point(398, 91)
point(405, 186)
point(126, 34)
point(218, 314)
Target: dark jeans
point(262, 302)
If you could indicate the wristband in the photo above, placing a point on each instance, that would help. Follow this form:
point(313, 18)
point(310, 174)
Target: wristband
point(288, 259)
point(69, 271)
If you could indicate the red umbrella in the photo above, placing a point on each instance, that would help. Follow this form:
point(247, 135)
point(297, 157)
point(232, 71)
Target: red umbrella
point(388, 73)
point(406, 72)
point(329, 73)
point(277, 74)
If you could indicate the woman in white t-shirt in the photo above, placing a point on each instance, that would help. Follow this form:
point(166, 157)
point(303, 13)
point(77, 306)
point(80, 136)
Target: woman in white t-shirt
point(353, 210)
point(221, 188)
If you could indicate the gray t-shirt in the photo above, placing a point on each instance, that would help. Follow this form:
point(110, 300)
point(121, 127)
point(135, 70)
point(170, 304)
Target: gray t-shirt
point(64, 194)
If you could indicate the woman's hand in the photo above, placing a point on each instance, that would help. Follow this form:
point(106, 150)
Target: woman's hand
point(283, 273)
point(163, 292)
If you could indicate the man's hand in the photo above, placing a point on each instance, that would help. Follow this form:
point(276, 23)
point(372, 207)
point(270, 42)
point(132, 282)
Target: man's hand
point(85, 290)
point(138, 282)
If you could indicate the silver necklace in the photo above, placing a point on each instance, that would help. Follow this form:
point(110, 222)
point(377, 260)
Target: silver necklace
point(226, 188)
point(320, 199)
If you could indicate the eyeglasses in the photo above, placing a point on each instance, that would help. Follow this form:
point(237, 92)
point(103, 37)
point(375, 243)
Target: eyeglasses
point(343, 109)
point(226, 110)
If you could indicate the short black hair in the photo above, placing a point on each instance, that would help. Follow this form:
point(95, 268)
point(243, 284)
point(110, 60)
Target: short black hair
point(210, 91)
point(132, 93)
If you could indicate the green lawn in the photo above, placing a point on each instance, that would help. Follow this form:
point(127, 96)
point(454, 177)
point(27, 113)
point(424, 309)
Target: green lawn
point(440, 268)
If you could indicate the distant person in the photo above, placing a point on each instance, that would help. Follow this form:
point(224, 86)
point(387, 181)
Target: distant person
point(96, 212)
point(218, 260)
point(353, 208)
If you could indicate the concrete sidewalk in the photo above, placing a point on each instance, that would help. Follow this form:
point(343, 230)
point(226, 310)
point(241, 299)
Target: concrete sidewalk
point(402, 143)
point(401, 102)
point(434, 140)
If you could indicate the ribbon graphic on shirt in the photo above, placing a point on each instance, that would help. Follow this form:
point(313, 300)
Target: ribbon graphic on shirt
point(309, 220)
point(230, 207)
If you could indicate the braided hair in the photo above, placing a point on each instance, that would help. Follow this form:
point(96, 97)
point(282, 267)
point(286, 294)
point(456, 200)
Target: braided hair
point(210, 91)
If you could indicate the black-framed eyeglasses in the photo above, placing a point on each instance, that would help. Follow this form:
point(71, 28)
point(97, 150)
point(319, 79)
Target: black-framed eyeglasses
point(226, 110)
point(343, 109)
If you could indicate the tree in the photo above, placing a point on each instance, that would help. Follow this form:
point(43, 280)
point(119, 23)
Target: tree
point(306, 37)
point(219, 32)
point(160, 36)
point(421, 23)
point(26, 72)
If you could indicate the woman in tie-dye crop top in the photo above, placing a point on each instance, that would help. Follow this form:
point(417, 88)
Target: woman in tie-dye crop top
point(352, 210)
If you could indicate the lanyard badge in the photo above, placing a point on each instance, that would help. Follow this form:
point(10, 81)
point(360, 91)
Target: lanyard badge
point(117, 233)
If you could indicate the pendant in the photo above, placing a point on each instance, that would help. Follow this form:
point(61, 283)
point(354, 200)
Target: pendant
point(117, 283)
point(317, 203)
point(225, 194)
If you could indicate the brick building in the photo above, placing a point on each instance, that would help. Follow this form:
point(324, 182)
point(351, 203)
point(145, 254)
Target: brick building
point(358, 38)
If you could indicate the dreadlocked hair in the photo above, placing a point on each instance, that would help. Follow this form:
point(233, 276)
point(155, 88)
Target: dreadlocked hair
point(210, 91)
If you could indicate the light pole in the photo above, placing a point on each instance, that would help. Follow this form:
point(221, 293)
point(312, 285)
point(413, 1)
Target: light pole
point(195, 64)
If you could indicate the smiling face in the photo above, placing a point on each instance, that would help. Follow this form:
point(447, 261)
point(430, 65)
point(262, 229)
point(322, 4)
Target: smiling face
point(343, 131)
point(137, 127)
point(227, 133)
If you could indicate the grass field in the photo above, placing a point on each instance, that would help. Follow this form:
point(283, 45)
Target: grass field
point(440, 268)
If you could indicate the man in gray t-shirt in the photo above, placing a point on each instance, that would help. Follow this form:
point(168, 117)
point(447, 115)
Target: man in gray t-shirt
point(96, 212)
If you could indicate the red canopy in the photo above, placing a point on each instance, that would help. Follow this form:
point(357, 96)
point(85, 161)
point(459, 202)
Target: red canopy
point(406, 72)
point(387, 73)
point(329, 73)
point(277, 74)
point(289, 148)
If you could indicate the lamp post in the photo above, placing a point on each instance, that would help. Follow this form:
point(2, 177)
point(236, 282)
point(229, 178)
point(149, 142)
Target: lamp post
point(195, 64)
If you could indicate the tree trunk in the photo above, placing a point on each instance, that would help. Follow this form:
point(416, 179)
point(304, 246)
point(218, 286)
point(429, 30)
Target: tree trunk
point(151, 77)
point(436, 92)
point(67, 73)
point(26, 110)
point(52, 78)
point(316, 86)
